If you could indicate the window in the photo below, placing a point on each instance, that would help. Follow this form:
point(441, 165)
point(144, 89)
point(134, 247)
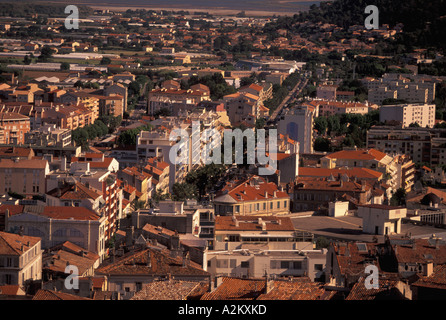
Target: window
point(284, 264)
point(284, 204)
point(278, 204)
point(237, 209)
point(232, 263)
point(297, 264)
point(244, 264)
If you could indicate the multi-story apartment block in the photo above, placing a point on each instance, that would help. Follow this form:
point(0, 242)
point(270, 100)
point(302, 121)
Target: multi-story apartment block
point(20, 259)
point(399, 170)
point(252, 246)
point(49, 135)
point(327, 107)
point(174, 100)
point(244, 107)
point(26, 177)
point(421, 144)
point(326, 92)
point(406, 114)
point(13, 127)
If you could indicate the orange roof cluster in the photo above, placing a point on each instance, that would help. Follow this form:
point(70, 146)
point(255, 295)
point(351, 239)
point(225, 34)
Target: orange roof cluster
point(360, 154)
point(253, 188)
point(421, 251)
point(151, 261)
point(437, 280)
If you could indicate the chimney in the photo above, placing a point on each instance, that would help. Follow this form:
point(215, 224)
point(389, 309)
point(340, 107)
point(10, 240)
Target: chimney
point(268, 284)
point(186, 259)
point(266, 194)
point(21, 231)
point(263, 225)
point(428, 269)
point(63, 164)
point(149, 259)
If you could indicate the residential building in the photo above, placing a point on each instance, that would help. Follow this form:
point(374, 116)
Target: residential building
point(407, 114)
point(49, 135)
point(381, 219)
point(55, 225)
point(25, 177)
point(326, 92)
point(13, 127)
point(315, 194)
point(252, 196)
point(128, 273)
point(420, 144)
point(20, 259)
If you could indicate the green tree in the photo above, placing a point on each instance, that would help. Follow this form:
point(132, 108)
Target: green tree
point(64, 66)
point(184, 191)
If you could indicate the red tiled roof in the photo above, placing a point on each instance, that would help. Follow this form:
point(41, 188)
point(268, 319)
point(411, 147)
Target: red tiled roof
point(371, 154)
point(15, 244)
point(387, 288)
point(77, 213)
point(161, 263)
point(236, 289)
point(296, 290)
point(11, 290)
point(53, 295)
point(253, 189)
point(436, 280)
point(350, 172)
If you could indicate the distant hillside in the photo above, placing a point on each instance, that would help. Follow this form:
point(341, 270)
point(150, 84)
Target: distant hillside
point(197, 5)
point(23, 8)
point(424, 20)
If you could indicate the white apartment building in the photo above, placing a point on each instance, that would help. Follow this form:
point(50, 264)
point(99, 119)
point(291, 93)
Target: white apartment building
point(381, 219)
point(423, 114)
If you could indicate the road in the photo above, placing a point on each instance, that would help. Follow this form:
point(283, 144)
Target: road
point(293, 93)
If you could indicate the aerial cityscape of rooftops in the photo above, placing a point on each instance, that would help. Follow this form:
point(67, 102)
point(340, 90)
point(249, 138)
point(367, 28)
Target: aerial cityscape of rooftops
point(287, 151)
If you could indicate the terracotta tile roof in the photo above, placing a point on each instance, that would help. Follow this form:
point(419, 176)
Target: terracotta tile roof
point(437, 280)
point(418, 197)
point(250, 223)
point(296, 290)
point(77, 213)
point(77, 191)
point(251, 189)
point(361, 173)
point(421, 251)
point(13, 209)
point(361, 154)
point(23, 163)
point(387, 291)
point(237, 289)
point(15, 244)
point(11, 290)
point(321, 184)
point(61, 258)
point(351, 259)
point(166, 290)
point(15, 152)
point(73, 248)
point(161, 263)
point(53, 295)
